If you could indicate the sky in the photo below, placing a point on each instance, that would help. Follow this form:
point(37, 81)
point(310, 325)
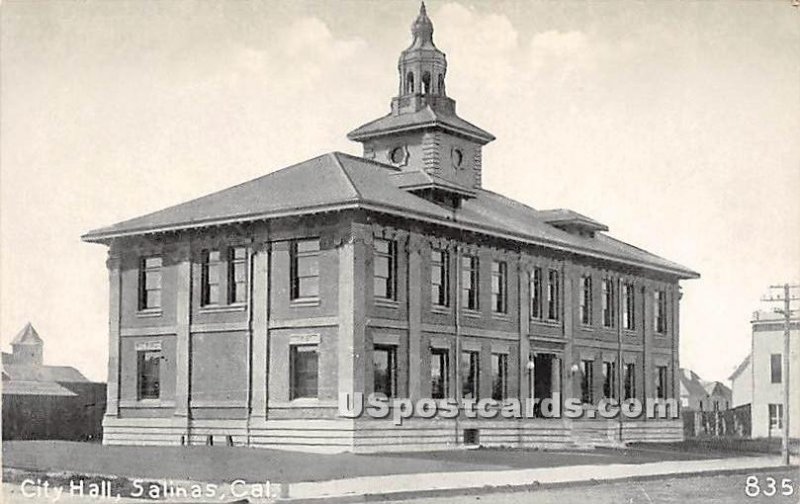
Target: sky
point(674, 123)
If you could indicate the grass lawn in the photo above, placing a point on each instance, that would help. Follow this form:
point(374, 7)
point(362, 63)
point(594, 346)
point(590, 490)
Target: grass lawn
point(218, 464)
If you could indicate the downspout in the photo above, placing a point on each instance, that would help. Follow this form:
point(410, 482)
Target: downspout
point(457, 324)
point(619, 352)
point(249, 315)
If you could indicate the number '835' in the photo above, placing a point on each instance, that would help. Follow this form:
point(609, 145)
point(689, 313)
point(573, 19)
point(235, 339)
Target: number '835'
point(768, 487)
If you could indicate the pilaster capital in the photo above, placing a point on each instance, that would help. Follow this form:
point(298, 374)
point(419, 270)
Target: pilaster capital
point(354, 234)
point(113, 261)
point(415, 244)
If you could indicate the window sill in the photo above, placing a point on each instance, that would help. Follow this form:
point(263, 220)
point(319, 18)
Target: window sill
point(149, 313)
point(304, 302)
point(660, 334)
point(223, 308)
point(443, 310)
point(147, 403)
point(471, 313)
point(501, 316)
point(586, 327)
point(547, 322)
point(387, 303)
point(630, 333)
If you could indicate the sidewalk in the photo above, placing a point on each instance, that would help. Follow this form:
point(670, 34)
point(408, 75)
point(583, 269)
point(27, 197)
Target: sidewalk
point(404, 485)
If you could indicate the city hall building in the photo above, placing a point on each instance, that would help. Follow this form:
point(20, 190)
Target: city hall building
point(239, 318)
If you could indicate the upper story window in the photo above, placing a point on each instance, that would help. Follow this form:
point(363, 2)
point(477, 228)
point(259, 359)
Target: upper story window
point(469, 281)
point(660, 311)
point(237, 275)
point(586, 300)
point(385, 264)
point(499, 286)
point(150, 283)
point(628, 306)
point(210, 277)
point(775, 368)
point(552, 294)
point(536, 293)
point(304, 269)
point(608, 302)
point(440, 277)
point(148, 380)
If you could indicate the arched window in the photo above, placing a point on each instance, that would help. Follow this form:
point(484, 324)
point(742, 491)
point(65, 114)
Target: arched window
point(440, 85)
point(410, 83)
point(426, 83)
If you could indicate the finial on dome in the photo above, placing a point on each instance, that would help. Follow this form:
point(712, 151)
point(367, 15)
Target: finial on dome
point(422, 28)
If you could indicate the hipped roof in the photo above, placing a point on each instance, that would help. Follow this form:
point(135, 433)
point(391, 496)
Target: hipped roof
point(337, 181)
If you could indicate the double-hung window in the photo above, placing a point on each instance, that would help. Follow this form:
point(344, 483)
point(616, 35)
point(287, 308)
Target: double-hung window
point(440, 369)
point(586, 300)
point(775, 368)
point(661, 382)
point(552, 294)
point(630, 381)
point(148, 364)
point(211, 266)
point(628, 306)
point(304, 269)
point(608, 302)
point(440, 277)
point(587, 381)
point(469, 281)
point(304, 371)
point(150, 283)
point(237, 275)
point(609, 379)
point(385, 269)
point(660, 311)
point(776, 416)
point(536, 293)
point(499, 376)
point(384, 362)
point(470, 375)
point(499, 286)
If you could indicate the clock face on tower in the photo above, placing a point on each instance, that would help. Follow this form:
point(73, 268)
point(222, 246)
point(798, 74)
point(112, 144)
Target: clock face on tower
point(398, 156)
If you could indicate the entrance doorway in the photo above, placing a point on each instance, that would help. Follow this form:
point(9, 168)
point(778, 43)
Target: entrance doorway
point(544, 378)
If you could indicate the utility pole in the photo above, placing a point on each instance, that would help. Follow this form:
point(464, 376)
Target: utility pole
point(784, 294)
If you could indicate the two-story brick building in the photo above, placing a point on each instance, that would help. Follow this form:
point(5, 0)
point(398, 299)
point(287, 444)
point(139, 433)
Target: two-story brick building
point(240, 317)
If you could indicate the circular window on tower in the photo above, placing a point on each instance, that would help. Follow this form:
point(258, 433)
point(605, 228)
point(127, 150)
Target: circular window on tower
point(457, 155)
point(398, 156)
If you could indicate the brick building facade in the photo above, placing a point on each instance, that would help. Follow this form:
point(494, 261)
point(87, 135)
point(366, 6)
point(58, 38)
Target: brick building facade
point(240, 317)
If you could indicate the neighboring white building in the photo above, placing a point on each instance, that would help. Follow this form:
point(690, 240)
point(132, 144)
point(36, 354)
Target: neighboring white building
point(758, 380)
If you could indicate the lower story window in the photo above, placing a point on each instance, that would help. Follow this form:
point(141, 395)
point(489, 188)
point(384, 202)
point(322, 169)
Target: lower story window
point(440, 367)
point(148, 374)
point(609, 379)
point(587, 381)
point(499, 376)
point(470, 373)
point(304, 371)
point(776, 416)
point(384, 361)
point(661, 382)
point(630, 381)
